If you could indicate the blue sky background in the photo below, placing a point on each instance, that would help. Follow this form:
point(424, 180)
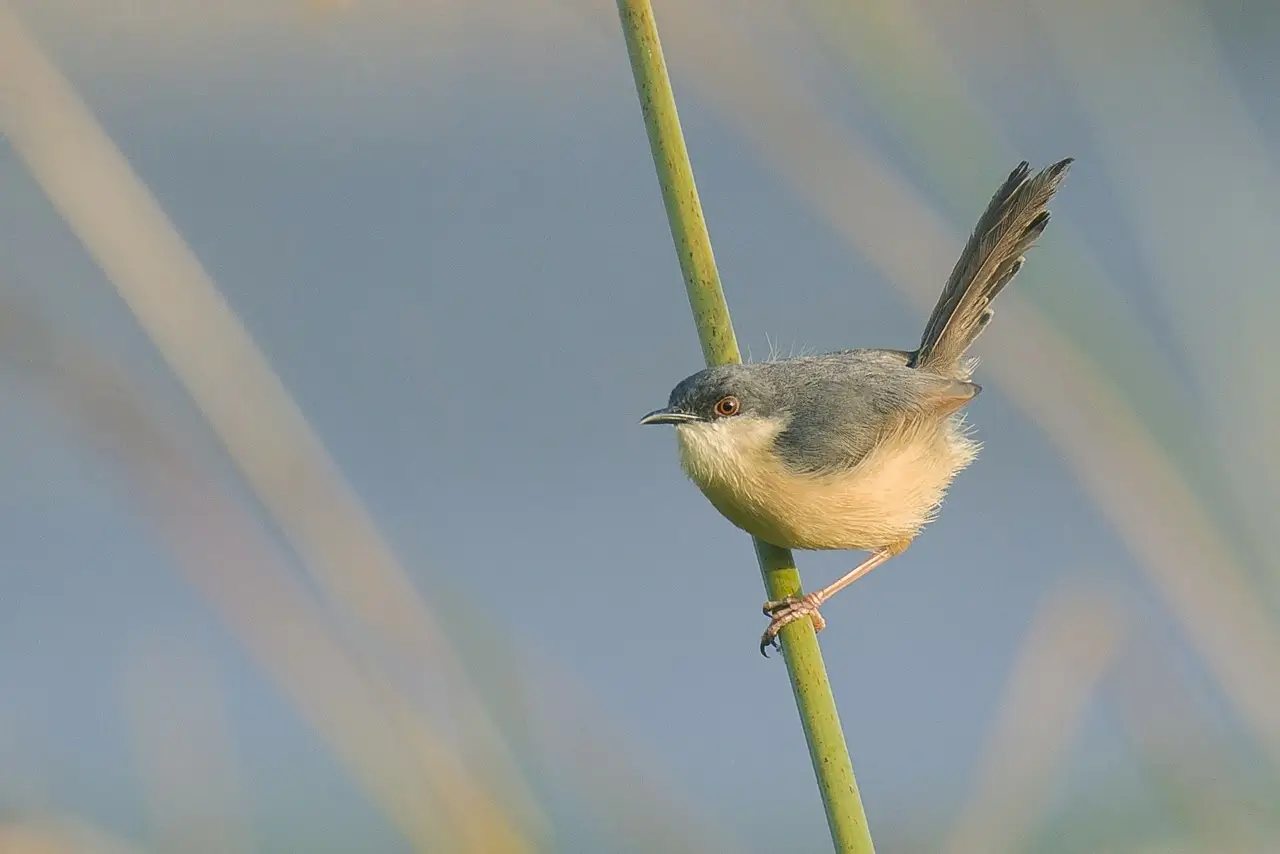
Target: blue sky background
point(456, 259)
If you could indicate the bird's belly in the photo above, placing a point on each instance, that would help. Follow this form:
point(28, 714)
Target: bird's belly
point(820, 516)
point(883, 501)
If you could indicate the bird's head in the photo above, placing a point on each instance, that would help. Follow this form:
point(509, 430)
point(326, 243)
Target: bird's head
point(727, 419)
point(718, 396)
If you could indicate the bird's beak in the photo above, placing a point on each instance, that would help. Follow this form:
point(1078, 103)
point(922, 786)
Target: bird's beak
point(668, 416)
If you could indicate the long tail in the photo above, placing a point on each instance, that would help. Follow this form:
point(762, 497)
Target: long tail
point(1009, 227)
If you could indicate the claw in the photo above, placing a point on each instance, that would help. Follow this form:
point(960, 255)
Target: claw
point(769, 641)
point(786, 611)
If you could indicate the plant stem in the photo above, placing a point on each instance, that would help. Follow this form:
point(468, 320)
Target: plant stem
point(808, 674)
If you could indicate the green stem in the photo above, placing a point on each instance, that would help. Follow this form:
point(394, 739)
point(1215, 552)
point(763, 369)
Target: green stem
point(808, 674)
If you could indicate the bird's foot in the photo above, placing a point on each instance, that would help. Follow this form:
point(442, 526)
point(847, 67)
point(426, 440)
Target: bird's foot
point(789, 610)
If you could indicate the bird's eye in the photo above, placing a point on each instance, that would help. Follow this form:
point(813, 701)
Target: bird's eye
point(728, 406)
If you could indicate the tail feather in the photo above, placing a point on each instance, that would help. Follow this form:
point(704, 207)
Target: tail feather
point(1013, 221)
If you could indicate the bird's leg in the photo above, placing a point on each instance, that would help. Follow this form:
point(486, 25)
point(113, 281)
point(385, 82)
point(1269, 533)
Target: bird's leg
point(792, 608)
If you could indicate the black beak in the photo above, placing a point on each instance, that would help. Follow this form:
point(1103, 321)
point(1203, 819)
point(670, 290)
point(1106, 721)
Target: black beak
point(669, 416)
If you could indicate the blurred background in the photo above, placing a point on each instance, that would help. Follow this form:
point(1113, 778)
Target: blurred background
point(326, 524)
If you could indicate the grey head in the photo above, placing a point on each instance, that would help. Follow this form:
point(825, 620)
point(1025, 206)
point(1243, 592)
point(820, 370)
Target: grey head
point(725, 391)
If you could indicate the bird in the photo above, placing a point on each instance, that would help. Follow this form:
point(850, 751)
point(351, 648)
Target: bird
point(856, 449)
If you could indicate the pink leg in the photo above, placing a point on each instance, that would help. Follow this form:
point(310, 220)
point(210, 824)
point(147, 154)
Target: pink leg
point(793, 608)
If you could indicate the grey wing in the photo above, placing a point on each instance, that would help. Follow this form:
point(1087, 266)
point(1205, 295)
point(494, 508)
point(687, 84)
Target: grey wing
point(844, 403)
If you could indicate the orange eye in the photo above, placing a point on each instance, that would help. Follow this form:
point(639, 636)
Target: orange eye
point(728, 406)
